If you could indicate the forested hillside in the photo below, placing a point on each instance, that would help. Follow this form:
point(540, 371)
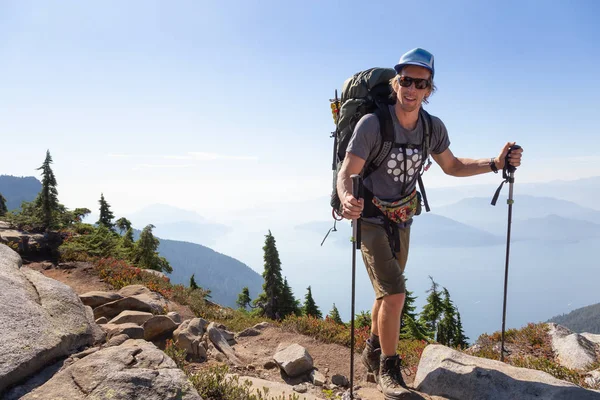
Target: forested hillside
point(585, 319)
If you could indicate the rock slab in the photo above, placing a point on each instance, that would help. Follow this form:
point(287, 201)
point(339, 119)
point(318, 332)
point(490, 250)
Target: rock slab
point(134, 370)
point(572, 349)
point(41, 320)
point(449, 373)
point(216, 337)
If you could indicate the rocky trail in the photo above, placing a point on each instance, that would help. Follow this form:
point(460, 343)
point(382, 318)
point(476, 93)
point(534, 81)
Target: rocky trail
point(255, 352)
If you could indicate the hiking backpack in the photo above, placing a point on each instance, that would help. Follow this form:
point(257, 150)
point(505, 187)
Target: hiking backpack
point(367, 92)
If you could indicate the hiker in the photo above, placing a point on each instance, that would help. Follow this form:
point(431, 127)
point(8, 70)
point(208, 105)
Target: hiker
point(391, 200)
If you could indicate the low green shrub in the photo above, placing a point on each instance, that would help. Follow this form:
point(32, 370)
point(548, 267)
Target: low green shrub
point(215, 384)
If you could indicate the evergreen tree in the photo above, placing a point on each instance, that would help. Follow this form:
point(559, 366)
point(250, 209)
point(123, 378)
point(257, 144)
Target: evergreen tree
point(272, 293)
point(413, 329)
point(127, 245)
point(432, 311)
point(106, 216)
point(3, 209)
point(193, 284)
point(310, 307)
point(123, 224)
point(334, 314)
point(80, 213)
point(127, 241)
point(410, 326)
point(146, 254)
point(243, 300)
point(447, 325)
point(460, 340)
point(47, 200)
point(288, 305)
point(363, 319)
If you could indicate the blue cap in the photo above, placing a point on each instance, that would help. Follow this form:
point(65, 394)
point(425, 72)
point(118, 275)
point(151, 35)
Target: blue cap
point(417, 56)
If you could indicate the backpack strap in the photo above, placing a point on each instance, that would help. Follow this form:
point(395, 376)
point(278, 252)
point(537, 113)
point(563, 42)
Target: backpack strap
point(426, 144)
point(386, 129)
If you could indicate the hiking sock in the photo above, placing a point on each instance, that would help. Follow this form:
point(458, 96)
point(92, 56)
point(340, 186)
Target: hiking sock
point(375, 341)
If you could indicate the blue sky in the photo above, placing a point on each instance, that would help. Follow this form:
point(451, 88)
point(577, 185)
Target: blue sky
point(218, 105)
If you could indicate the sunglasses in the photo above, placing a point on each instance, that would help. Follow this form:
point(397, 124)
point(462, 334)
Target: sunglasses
point(406, 81)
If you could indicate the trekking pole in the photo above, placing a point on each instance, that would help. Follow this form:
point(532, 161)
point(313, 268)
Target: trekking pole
point(508, 174)
point(356, 192)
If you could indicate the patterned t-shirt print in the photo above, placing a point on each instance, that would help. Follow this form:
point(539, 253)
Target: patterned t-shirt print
point(396, 164)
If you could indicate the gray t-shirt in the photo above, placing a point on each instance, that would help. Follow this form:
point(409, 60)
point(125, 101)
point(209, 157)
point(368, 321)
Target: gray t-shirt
point(397, 175)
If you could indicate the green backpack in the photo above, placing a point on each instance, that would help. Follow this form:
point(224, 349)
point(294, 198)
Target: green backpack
point(367, 92)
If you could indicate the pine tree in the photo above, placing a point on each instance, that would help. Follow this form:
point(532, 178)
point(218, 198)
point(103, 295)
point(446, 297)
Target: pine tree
point(146, 254)
point(3, 209)
point(243, 299)
point(47, 200)
point(272, 293)
point(410, 327)
point(432, 311)
point(80, 213)
point(460, 340)
point(123, 224)
point(447, 325)
point(288, 305)
point(363, 319)
point(334, 314)
point(128, 239)
point(310, 307)
point(193, 284)
point(106, 216)
point(413, 329)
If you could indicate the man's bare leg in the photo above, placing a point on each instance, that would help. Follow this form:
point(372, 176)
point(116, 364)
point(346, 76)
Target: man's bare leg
point(374, 317)
point(388, 322)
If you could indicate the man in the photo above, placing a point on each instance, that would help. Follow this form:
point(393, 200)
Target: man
point(391, 200)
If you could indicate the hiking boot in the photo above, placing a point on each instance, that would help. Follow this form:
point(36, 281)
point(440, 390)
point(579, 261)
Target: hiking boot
point(390, 379)
point(371, 358)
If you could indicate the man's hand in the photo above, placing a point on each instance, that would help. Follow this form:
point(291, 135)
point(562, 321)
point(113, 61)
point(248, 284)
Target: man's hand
point(514, 159)
point(351, 207)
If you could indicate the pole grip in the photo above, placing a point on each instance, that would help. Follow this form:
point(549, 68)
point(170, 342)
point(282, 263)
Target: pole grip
point(357, 194)
point(356, 186)
point(510, 168)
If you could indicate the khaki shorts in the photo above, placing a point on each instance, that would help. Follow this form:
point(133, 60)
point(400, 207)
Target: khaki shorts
point(385, 271)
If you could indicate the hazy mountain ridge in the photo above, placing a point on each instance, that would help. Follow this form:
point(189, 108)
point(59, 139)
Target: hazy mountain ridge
point(584, 319)
point(428, 230)
point(223, 275)
point(18, 189)
point(583, 191)
point(178, 224)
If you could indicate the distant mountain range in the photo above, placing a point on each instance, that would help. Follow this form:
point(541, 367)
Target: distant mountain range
point(477, 211)
point(428, 230)
point(585, 319)
point(584, 192)
point(223, 275)
point(18, 189)
point(178, 224)
point(470, 222)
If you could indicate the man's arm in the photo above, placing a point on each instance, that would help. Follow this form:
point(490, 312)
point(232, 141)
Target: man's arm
point(461, 167)
point(351, 207)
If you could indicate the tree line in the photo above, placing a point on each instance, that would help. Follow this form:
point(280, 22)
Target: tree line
point(438, 321)
point(47, 214)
